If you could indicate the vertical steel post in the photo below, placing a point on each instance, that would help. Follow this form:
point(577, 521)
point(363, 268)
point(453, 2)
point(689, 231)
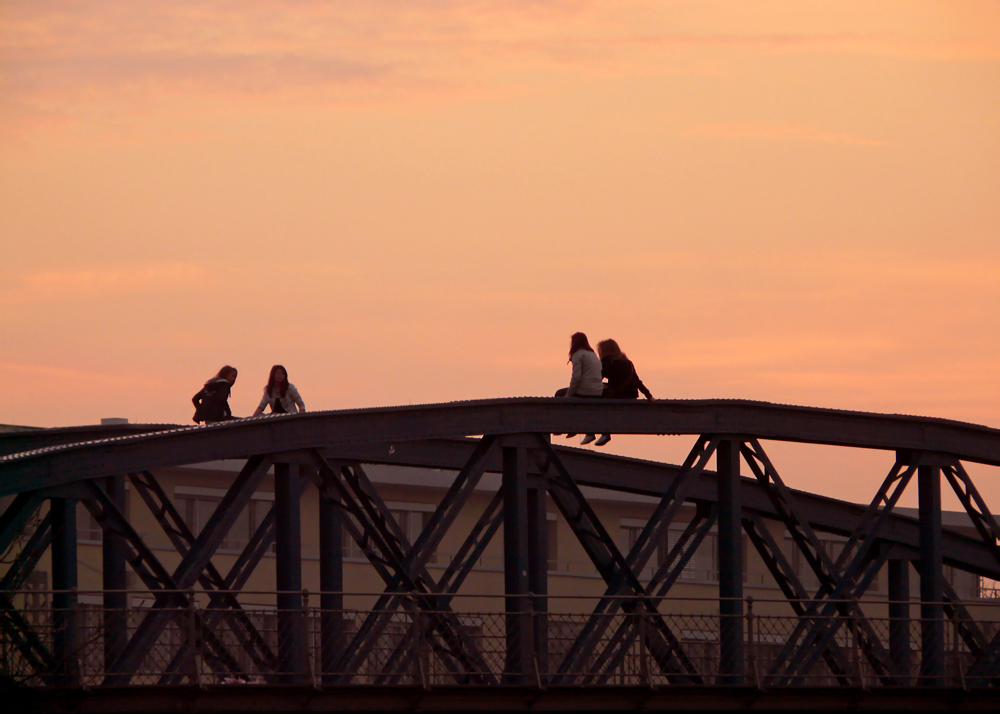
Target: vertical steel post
point(331, 583)
point(64, 583)
point(288, 571)
point(751, 643)
point(899, 620)
point(931, 576)
point(730, 545)
point(538, 570)
point(114, 579)
point(515, 546)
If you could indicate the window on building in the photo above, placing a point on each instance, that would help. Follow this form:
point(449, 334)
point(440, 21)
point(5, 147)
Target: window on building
point(833, 548)
point(690, 571)
point(412, 519)
point(631, 531)
point(197, 509)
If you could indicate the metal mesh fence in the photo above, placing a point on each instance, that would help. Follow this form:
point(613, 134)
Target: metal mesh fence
point(554, 641)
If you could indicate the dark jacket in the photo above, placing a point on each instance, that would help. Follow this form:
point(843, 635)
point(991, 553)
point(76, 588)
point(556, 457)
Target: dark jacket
point(212, 402)
point(623, 382)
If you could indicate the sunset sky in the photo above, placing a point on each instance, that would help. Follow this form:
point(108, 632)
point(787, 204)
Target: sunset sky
point(796, 202)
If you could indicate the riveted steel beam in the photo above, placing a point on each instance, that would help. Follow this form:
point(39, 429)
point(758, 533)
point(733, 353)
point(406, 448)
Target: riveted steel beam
point(238, 438)
point(669, 571)
point(649, 539)
point(465, 559)
point(792, 588)
point(458, 652)
point(13, 623)
point(613, 568)
point(839, 581)
point(368, 521)
point(222, 606)
point(26, 560)
point(16, 516)
point(186, 574)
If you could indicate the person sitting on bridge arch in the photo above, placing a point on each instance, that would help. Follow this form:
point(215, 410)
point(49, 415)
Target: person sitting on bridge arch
point(585, 381)
point(280, 394)
point(623, 381)
point(212, 402)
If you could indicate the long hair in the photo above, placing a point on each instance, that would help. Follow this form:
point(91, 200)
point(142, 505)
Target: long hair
point(272, 381)
point(578, 341)
point(224, 372)
point(610, 348)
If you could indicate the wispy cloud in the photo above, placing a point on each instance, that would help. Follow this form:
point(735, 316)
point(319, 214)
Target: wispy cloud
point(72, 285)
point(59, 60)
point(759, 131)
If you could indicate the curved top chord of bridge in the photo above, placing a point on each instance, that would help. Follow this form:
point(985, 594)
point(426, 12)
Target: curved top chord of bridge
point(89, 465)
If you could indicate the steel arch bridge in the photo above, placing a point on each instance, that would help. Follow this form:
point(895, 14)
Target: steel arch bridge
point(328, 450)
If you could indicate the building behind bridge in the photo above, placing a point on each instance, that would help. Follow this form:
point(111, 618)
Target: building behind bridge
point(412, 495)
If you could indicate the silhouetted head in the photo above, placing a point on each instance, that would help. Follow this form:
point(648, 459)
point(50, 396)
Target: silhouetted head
point(578, 341)
point(227, 373)
point(609, 348)
point(277, 382)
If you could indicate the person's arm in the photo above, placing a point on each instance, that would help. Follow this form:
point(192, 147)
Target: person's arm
point(263, 403)
point(224, 396)
point(574, 380)
point(642, 387)
point(293, 392)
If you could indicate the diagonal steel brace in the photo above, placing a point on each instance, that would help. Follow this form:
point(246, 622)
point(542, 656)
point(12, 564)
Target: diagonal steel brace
point(223, 605)
point(371, 525)
point(613, 568)
point(656, 528)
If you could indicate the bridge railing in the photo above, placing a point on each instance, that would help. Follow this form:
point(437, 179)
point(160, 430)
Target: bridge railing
point(429, 642)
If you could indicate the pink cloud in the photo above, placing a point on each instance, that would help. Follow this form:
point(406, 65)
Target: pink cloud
point(776, 132)
point(59, 60)
point(73, 285)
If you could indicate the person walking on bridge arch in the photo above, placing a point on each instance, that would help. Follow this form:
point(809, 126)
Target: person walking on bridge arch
point(212, 402)
point(585, 381)
point(280, 394)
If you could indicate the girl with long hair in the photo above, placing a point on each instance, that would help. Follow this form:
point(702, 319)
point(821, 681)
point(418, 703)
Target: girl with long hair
point(212, 402)
point(280, 394)
point(585, 380)
point(623, 381)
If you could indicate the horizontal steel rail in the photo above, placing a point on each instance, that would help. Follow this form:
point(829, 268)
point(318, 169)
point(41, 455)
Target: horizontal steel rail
point(242, 438)
point(31, 438)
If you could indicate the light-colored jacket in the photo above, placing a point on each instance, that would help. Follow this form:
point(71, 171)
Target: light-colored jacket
point(291, 402)
point(586, 380)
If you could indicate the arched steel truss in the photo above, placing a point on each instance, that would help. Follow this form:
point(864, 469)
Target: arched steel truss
point(511, 437)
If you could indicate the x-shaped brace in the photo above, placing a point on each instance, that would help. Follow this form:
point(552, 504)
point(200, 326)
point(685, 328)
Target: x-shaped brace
point(615, 569)
point(401, 566)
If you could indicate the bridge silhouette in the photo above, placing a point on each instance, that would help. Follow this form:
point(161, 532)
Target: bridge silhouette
point(628, 648)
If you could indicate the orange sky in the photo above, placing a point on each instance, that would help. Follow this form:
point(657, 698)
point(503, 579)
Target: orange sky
point(411, 202)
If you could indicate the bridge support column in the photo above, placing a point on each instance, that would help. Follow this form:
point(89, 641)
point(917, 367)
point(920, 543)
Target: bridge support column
point(538, 571)
point(331, 582)
point(730, 545)
point(114, 579)
point(931, 576)
point(516, 560)
point(64, 583)
point(899, 620)
point(288, 571)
